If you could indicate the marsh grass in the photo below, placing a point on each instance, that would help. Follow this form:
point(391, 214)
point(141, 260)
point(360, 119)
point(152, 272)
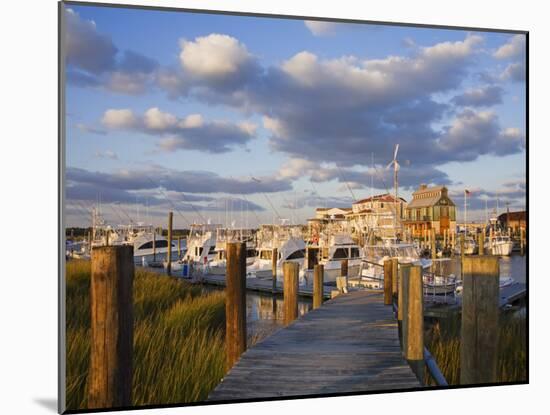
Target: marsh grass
point(179, 351)
point(443, 342)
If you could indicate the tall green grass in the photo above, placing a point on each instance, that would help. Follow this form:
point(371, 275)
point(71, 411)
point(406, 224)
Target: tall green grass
point(443, 342)
point(179, 351)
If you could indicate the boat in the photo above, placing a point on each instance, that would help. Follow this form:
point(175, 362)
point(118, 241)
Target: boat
point(371, 272)
point(333, 250)
point(217, 266)
point(290, 245)
point(501, 245)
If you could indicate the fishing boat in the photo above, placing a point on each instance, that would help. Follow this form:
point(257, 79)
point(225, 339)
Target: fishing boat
point(470, 245)
point(201, 243)
point(500, 245)
point(290, 248)
point(334, 250)
point(217, 266)
point(371, 272)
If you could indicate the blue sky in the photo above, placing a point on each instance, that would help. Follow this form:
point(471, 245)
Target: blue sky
point(220, 117)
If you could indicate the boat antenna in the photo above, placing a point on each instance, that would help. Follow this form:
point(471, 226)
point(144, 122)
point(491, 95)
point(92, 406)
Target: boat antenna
point(159, 188)
point(342, 178)
point(267, 198)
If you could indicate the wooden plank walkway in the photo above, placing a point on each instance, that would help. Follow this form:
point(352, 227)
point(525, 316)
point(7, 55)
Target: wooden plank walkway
point(265, 285)
point(350, 344)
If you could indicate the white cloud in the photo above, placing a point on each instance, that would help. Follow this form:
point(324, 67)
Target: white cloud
point(319, 28)
point(515, 47)
point(192, 121)
point(295, 168)
point(514, 72)
point(119, 119)
point(214, 56)
point(155, 119)
point(190, 133)
point(107, 154)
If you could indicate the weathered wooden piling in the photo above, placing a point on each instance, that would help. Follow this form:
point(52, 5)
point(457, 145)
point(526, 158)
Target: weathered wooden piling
point(490, 242)
point(318, 284)
point(235, 302)
point(112, 322)
point(290, 288)
point(480, 315)
point(154, 246)
point(179, 247)
point(344, 268)
point(414, 314)
point(395, 277)
point(169, 252)
point(312, 257)
point(388, 281)
point(404, 270)
point(481, 243)
point(522, 241)
point(274, 269)
point(433, 245)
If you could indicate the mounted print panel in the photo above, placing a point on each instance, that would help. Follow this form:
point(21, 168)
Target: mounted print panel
point(262, 207)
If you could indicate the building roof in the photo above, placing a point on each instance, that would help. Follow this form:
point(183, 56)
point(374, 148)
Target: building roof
point(428, 196)
point(325, 209)
point(386, 197)
point(521, 215)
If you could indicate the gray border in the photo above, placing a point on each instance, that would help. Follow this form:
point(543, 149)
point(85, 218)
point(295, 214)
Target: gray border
point(62, 335)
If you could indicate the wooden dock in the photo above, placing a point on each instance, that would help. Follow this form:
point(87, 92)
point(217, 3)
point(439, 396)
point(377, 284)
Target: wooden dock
point(350, 344)
point(265, 285)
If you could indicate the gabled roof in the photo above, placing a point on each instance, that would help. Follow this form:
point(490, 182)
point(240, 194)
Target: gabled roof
point(521, 215)
point(386, 197)
point(421, 197)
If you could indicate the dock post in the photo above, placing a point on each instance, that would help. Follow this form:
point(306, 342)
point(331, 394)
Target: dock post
point(342, 280)
point(274, 270)
point(179, 247)
point(388, 281)
point(395, 277)
point(490, 244)
point(318, 276)
point(112, 326)
point(414, 347)
point(312, 257)
point(154, 246)
point(522, 241)
point(235, 302)
point(480, 315)
point(169, 252)
point(481, 243)
point(403, 305)
point(404, 270)
point(432, 240)
point(290, 289)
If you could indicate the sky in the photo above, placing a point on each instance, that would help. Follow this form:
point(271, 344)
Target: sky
point(244, 120)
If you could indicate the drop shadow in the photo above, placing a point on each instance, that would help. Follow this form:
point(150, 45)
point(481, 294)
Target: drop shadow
point(48, 403)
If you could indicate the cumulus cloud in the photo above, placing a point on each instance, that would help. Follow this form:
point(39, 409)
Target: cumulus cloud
point(514, 72)
point(513, 48)
point(94, 61)
point(86, 48)
point(319, 28)
point(216, 58)
point(187, 181)
point(480, 97)
point(190, 133)
point(119, 119)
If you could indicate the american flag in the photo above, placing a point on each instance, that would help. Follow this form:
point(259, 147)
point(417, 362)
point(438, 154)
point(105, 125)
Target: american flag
point(467, 192)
